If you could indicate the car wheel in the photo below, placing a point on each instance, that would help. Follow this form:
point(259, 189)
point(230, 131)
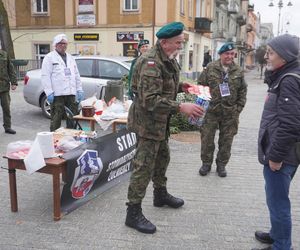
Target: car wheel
point(45, 105)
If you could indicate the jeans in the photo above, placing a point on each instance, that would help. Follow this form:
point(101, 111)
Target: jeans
point(277, 186)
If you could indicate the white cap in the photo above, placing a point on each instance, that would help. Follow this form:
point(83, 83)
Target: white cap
point(58, 39)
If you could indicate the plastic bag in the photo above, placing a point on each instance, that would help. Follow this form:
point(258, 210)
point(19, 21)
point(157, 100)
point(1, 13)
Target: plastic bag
point(18, 149)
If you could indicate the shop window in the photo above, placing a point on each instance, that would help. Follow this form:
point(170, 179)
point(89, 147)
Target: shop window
point(41, 50)
point(40, 6)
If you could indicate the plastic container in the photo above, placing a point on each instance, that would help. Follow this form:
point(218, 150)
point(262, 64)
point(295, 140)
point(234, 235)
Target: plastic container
point(114, 89)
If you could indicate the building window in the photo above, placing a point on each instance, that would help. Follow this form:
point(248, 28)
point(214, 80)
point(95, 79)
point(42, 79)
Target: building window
point(41, 50)
point(182, 7)
point(190, 8)
point(40, 6)
point(131, 5)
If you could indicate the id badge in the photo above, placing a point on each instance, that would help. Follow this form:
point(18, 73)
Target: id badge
point(67, 72)
point(224, 89)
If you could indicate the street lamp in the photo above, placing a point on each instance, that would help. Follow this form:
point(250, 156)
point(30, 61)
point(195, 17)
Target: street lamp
point(280, 5)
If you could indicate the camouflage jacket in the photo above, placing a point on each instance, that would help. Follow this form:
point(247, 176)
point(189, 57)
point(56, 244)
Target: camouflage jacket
point(7, 72)
point(155, 83)
point(213, 76)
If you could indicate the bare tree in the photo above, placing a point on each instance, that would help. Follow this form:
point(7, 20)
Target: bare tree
point(5, 36)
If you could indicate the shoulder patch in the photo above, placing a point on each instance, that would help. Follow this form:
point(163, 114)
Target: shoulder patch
point(151, 63)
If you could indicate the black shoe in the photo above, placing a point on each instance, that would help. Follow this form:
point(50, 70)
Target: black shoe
point(263, 237)
point(266, 248)
point(162, 197)
point(10, 131)
point(137, 220)
point(221, 171)
point(204, 169)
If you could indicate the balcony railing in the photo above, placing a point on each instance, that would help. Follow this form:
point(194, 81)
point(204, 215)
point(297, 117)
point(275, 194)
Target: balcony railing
point(202, 25)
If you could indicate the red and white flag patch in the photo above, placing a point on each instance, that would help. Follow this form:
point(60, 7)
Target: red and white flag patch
point(151, 63)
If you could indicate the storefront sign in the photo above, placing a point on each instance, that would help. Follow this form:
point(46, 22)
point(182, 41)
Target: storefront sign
point(130, 36)
point(86, 37)
point(86, 6)
point(130, 49)
point(86, 20)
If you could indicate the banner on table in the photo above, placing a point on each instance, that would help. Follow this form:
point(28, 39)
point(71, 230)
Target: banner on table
point(96, 166)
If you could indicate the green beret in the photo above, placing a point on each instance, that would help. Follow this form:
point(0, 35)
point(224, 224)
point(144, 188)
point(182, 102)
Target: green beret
point(143, 42)
point(226, 47)
point(170, 30)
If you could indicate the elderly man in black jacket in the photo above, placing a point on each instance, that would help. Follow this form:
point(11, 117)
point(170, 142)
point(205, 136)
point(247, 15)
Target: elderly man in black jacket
point(278, 133)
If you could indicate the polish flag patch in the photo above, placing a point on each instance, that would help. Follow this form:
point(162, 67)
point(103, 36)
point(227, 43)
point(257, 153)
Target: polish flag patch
point(151, 63)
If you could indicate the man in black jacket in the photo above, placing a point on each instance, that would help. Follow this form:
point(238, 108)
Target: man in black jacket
point(278, 133)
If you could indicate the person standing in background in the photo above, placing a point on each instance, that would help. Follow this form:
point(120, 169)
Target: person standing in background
point(155, 84)
point(61, 81)
point(207, 59)
point(228, 90)
point(143, 47)
point(8, 80)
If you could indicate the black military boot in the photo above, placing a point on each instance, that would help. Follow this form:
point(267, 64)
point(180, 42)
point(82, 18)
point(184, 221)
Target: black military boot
point(204, 169)
point(137, 220)
point(162, 197)
point(221, 171)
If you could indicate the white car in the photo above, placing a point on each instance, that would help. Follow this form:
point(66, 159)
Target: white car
point(94, 71)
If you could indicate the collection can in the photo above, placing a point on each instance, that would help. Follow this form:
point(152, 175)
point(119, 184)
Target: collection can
point(203, 102)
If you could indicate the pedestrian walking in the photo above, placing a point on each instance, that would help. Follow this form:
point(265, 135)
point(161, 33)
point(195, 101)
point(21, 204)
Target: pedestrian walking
point(143, 47)
point(279, 131)
point(206, 59)
point(61, 81)
point(8, 81)
point(228, 90)
point(155, 84)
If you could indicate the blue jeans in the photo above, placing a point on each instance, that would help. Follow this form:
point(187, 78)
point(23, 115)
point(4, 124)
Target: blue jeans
point(277, 187)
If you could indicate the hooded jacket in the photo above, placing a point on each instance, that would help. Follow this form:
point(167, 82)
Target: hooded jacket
point(280, 121)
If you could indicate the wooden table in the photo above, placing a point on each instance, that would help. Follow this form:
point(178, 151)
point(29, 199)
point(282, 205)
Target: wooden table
point(54, 166)
point(92, 121)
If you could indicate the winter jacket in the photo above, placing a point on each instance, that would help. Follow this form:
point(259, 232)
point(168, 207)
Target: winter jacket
point(280, 122)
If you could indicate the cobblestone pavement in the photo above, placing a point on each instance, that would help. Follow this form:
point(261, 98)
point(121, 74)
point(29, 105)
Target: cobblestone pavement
point(219, 213)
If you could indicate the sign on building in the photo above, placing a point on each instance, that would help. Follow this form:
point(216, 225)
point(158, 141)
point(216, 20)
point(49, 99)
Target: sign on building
point(130, 36)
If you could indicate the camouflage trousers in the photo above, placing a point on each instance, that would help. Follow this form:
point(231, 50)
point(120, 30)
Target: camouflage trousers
point(5, 104)
point(58, 112)
point(228, 127)
point(150, 162)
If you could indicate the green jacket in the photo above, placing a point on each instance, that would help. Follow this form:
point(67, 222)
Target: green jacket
point(130, 94)
point(213, 76)
point(155, 83)
point(7, 72)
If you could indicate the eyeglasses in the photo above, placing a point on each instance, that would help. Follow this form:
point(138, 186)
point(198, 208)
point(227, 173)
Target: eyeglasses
point(62, 43)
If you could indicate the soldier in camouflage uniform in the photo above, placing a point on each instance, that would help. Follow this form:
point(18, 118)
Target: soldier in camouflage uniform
point(8, 80)
point(155, 84)
point(228, 90)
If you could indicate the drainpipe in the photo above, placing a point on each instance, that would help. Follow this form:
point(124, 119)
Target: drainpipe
point(153, 22)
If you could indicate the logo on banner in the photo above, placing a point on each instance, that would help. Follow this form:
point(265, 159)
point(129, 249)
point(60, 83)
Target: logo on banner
point(89, 168)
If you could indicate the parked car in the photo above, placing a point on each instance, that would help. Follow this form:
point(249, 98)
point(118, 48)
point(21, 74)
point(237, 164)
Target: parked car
point(94, 71)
